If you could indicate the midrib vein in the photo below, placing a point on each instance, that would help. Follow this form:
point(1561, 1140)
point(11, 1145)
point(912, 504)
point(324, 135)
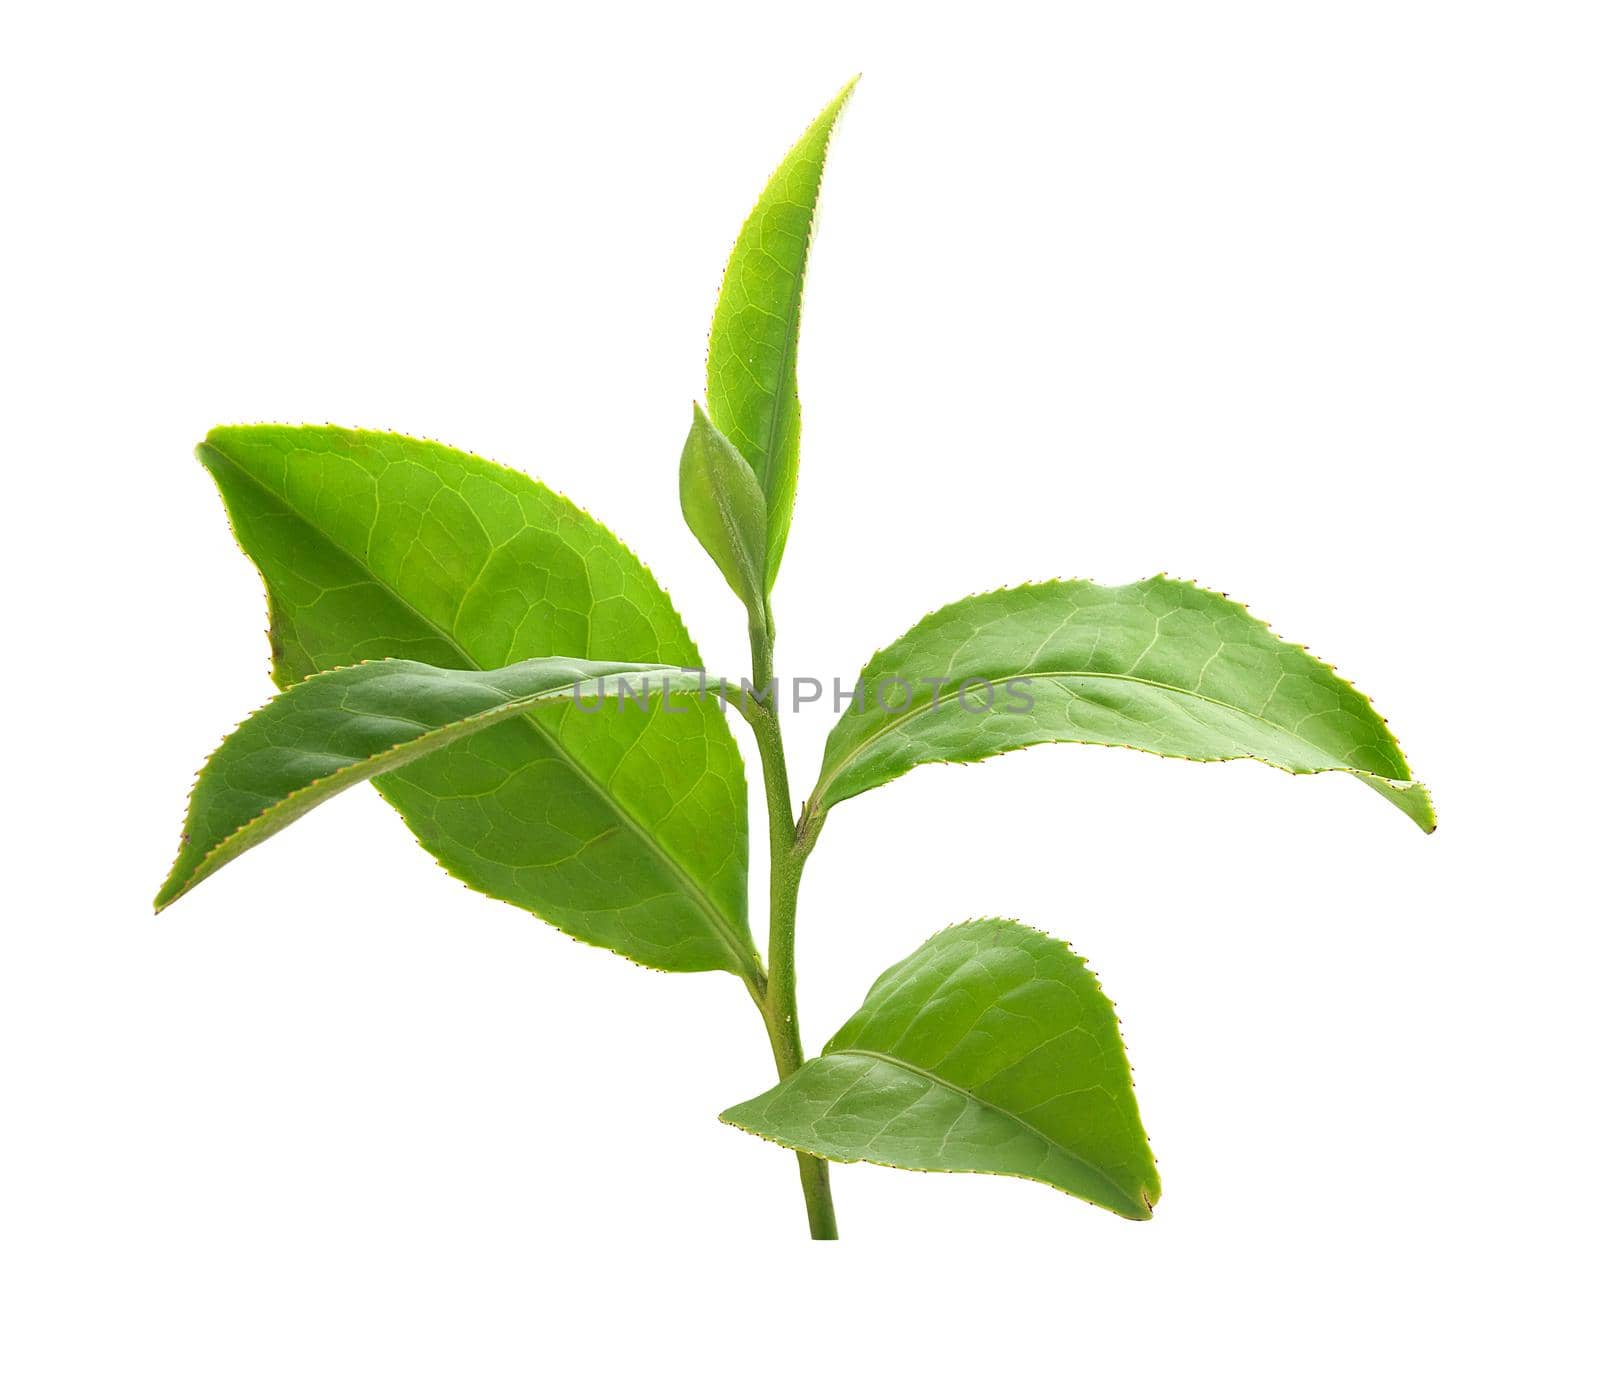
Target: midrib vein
point(791, 320)
point(971, 1096)
point(745, 961)
point(896, 721)
point(791, 332)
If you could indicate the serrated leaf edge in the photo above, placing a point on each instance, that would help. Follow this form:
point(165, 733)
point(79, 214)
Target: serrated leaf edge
point(813, 814)
point(275, 635)
point(839, 103)
point(1149, 1194)
point(491, 715)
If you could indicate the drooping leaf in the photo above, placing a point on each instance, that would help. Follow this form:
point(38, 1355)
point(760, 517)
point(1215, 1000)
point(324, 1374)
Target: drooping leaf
point(990, 1050)
point(627, 831)
point(751, 391)
point(338, 728)
point(1162, 666)
point(724, 507)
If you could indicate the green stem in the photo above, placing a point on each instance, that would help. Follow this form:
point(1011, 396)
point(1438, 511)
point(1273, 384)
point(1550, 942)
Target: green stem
point(778, 1005)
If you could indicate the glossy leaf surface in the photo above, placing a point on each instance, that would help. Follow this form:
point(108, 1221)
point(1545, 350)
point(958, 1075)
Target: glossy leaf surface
point(1162, 666)
point(627, 831)
point(990, 1050)
point(338, 728)
point(723, 505)
point(751, 390)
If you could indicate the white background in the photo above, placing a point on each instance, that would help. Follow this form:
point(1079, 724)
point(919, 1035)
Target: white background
point(1298, 301)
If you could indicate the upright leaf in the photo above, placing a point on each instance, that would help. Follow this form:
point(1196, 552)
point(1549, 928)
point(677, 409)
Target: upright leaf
point(1162, 666)
point(338, 728)
point(751, 391)
point(627, 831)
point(990, 1050)
point(723, 506)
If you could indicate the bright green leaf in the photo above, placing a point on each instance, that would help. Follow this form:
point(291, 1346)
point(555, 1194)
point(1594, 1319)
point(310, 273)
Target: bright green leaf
point(751, 391)
point(1162, 666)
point(337, 728)
point(724, 507)
point(990, 1050)
point(628, 831)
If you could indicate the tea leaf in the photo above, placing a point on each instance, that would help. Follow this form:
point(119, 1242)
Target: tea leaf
point(990, 1050)
point(627, 831)
point(723, 505)
point(1162, 666)
point(751, 391)
point(338, 728)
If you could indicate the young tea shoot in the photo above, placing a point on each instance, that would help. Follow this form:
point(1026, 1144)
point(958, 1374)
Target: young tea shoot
point(513, 682)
